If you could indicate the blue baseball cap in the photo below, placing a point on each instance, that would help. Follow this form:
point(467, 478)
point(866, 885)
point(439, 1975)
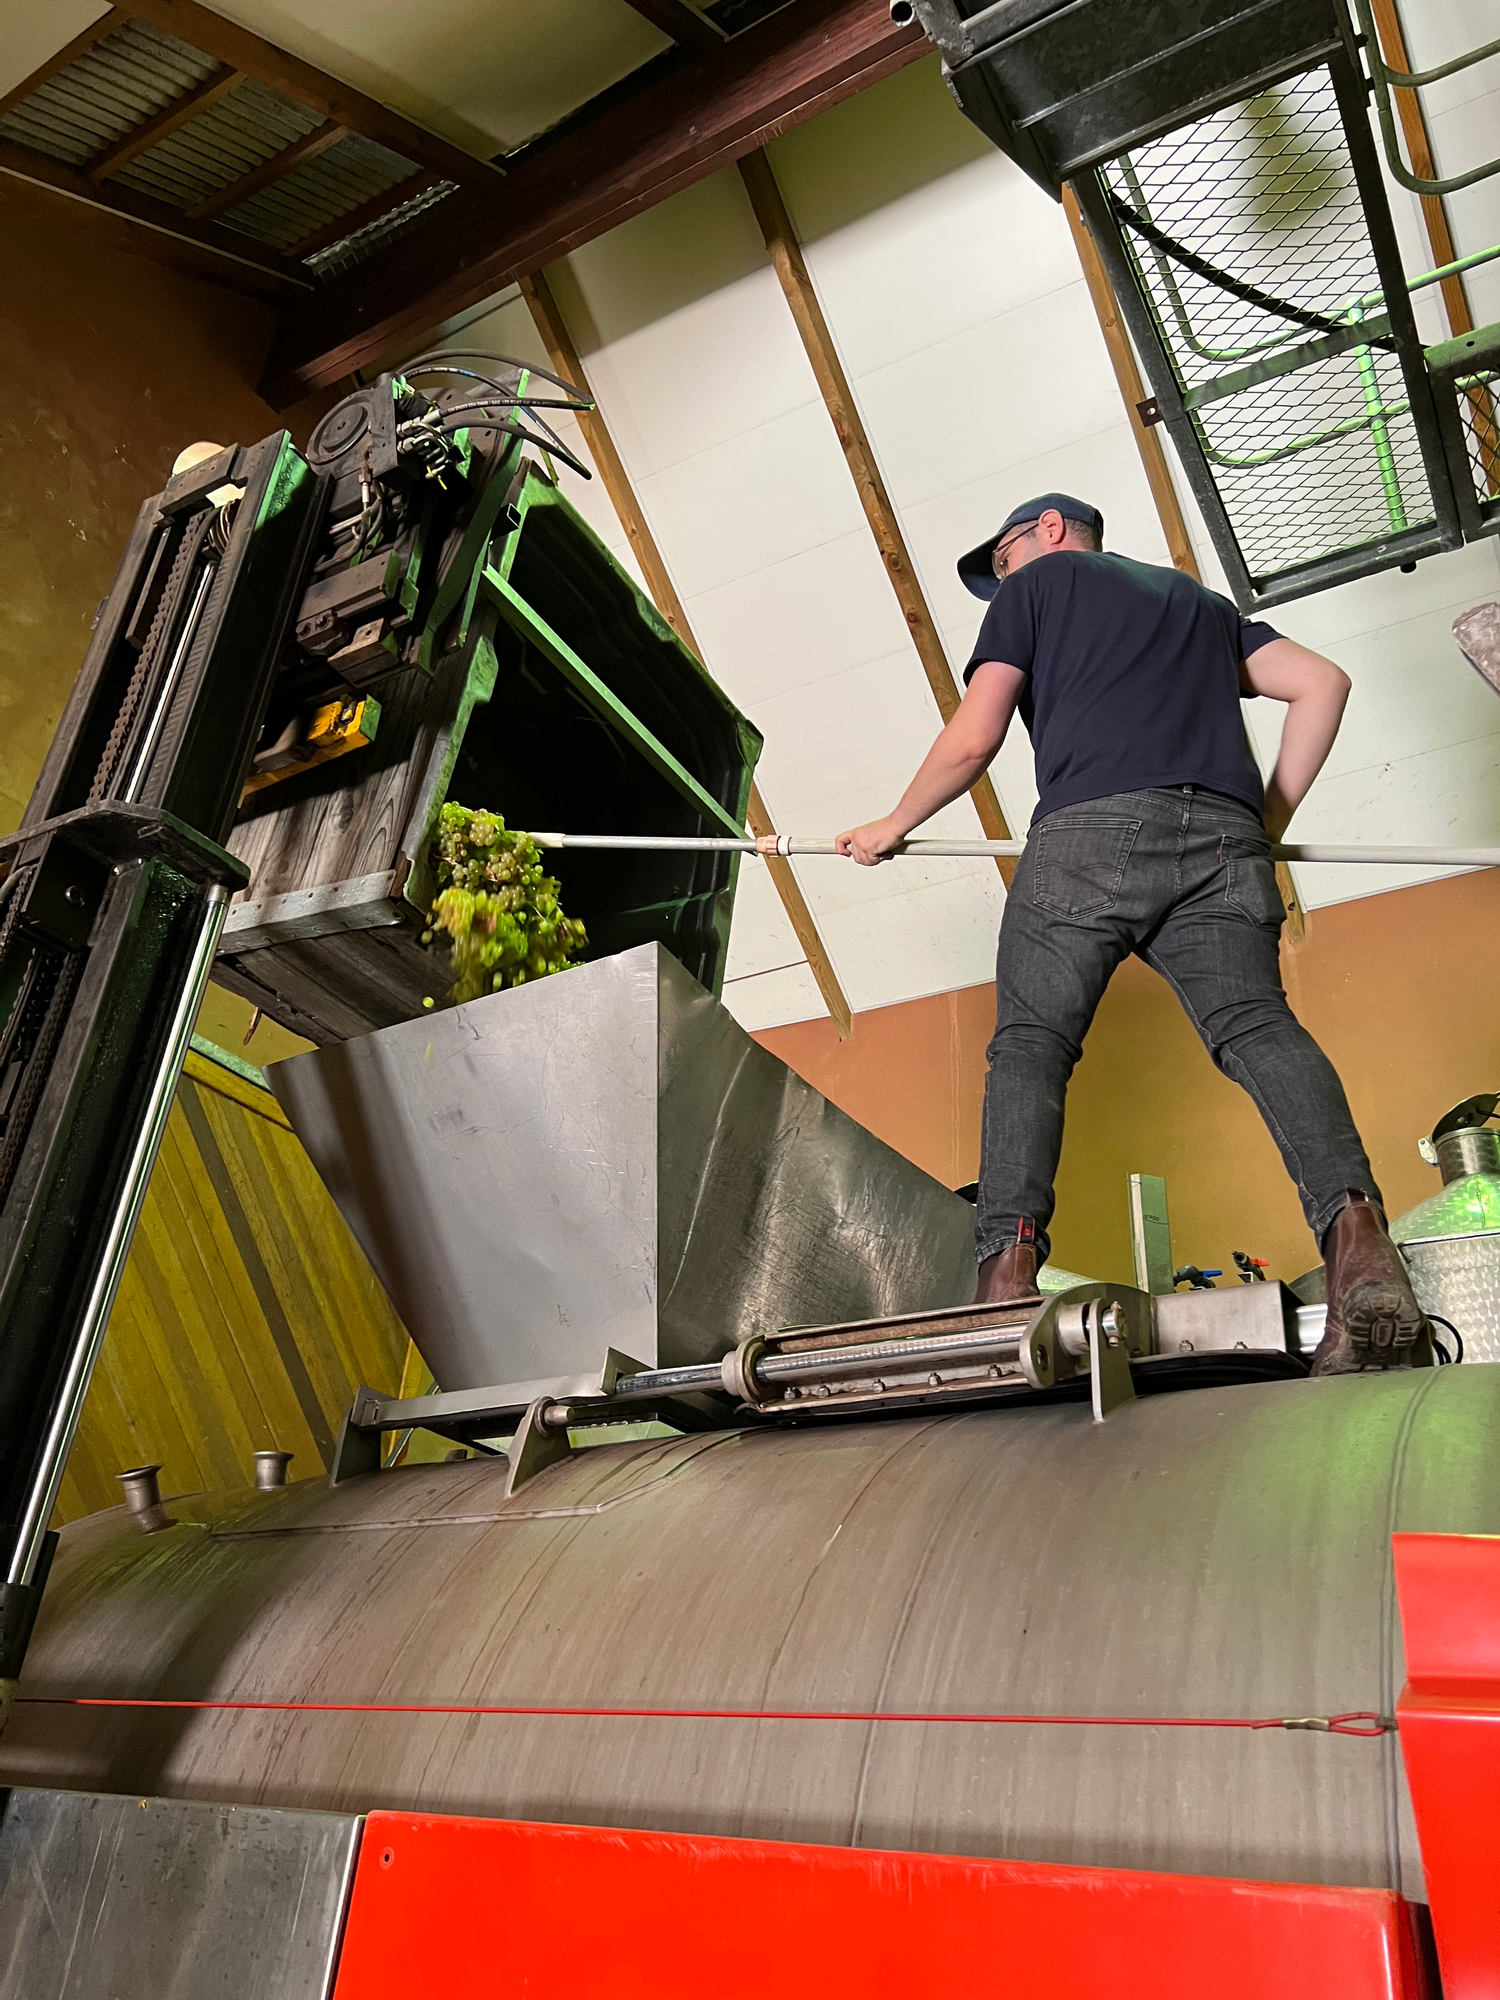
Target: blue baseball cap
point(976, 568)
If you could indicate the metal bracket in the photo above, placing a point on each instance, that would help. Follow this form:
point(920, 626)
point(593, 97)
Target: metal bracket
point(358, 1448)
point(534, 1447)
point(1101, 1326)
point(1110, 1382)
point(461, 1414)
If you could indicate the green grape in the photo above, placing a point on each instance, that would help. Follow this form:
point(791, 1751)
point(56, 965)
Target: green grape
point(497, 909)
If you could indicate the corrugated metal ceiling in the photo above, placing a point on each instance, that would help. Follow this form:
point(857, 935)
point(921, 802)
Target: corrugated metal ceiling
point(113, 87)
point(350, 250)
point(316, 192)
point(240, 132)
point(132, 75)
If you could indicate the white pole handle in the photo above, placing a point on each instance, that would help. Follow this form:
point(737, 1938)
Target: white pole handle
point(788, 844)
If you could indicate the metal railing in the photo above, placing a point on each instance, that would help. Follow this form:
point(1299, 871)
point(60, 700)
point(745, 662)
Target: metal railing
point(1387, 80)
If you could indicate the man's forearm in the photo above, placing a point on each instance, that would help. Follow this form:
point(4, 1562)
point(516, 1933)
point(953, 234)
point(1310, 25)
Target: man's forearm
point(946, 774)
point(1307, 736)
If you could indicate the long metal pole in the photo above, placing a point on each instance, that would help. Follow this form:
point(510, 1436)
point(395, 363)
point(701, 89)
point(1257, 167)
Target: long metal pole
point(789, 844)
point(127, 1209)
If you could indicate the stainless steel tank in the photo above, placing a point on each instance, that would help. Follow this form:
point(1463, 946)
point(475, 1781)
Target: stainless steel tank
point(1217, 1552)
point(1451, 1241)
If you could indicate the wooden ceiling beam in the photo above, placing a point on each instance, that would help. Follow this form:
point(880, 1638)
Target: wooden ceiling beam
point(68, 53)
point(336, 102)
point(682, 22)
point(234, 192)
point(712, 108)
point(615, 480)
point(171, 118)
point(241, 262)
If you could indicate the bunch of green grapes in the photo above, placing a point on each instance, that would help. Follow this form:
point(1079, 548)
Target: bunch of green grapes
point(499, 910)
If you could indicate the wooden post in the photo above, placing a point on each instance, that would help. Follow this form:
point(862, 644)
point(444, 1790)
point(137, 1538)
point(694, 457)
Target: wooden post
point(568, 363)
point(1435, 220)
point(791, 269)
point(1153, 459)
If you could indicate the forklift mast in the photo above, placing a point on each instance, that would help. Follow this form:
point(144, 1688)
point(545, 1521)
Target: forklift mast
point(263, 597)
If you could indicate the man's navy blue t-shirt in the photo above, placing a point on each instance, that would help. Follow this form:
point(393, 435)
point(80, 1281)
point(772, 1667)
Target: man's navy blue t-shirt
point(1132, 677)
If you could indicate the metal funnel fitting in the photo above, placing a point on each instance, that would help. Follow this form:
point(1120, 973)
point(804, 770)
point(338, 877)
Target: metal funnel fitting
point(270, 1469)
point(604, 1160)
point(143, 1499)
point(1473, 1151)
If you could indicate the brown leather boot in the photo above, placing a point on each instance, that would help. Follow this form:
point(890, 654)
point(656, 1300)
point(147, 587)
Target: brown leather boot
point(1374, 1320)
point(1011, 1273)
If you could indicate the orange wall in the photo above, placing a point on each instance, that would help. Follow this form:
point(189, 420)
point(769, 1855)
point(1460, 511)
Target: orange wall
point(1398, 989)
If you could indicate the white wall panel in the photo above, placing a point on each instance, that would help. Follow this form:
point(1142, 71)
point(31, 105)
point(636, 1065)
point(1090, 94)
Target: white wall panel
point(766, 977)
point(930, 940)
point(716, 410)
point(818, 613)
point(953, 294)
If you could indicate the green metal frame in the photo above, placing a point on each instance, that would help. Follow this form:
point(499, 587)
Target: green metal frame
point(522, 620)
point(1280, 360)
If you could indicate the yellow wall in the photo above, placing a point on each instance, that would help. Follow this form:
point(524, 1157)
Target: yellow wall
point(1399, 989)
point(247, 1315)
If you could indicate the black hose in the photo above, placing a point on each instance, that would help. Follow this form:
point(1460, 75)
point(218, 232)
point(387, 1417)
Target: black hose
point(1236, 287)
point(1442, 1353)
point(436, 363)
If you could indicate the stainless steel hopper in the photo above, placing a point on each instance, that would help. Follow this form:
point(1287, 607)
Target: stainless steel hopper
point(605, 1159)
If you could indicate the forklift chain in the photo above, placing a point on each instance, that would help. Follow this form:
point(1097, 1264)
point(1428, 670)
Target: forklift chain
point(145, 666)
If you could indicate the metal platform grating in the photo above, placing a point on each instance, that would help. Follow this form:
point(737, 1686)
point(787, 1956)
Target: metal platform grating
point(1325, 456)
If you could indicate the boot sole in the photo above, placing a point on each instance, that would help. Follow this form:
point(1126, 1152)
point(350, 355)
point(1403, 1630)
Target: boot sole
point(1382, 1324)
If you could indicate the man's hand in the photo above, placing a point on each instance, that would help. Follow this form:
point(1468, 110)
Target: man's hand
point(871, 844)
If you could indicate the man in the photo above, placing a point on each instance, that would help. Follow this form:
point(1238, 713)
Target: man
point(1152, 835)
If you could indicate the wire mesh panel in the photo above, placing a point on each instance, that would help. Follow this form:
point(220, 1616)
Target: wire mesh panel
point(1249, 242)
point(1479, 412)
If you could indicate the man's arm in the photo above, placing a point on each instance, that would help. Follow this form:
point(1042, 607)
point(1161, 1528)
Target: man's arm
point(953, 764)
point(1315, 691)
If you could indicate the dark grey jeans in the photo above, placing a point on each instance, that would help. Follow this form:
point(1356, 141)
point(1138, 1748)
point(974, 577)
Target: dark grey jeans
point(1184, 879)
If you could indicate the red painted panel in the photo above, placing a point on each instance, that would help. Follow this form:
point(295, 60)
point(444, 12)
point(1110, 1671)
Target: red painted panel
point(461, 1907)
point(1449, 1712)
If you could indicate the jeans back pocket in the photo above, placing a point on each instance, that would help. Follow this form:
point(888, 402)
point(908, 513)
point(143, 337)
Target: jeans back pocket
point(1080, 864)
point(1250, 886)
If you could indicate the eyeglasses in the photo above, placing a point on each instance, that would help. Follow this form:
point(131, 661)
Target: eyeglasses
point(999, 559)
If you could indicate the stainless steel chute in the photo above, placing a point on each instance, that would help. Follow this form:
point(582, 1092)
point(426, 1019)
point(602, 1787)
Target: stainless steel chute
point(1221, 1552)
point(605, 1159)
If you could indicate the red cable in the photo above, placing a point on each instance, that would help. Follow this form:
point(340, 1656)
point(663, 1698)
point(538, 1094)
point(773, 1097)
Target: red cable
point(1362, 1722)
